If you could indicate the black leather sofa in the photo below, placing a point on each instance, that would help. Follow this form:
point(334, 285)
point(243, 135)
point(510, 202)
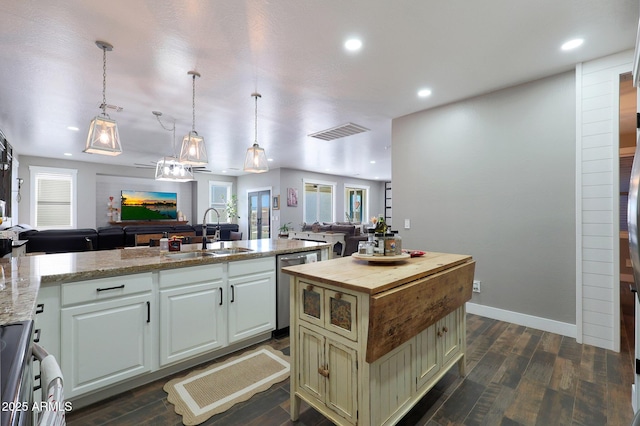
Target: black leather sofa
point(109, 237)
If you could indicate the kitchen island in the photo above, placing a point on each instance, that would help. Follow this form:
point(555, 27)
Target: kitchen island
point(116, 319)
point(368, 339)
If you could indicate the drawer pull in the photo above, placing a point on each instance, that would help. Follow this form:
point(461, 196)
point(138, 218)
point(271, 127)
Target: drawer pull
point(39, 308)
point(36, 333)
point(148, 312)
point(445, 329)
point(309, 287)
point(338, 296)
point(439, 333)
point(110, 288)
point(38, 386)
point(324, 372)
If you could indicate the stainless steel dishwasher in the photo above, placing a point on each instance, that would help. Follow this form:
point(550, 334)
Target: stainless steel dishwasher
point(282, 286)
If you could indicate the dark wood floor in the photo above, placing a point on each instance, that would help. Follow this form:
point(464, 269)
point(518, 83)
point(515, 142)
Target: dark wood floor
point(515, 376)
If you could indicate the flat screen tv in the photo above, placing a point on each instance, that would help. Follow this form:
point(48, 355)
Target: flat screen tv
point(148, 205)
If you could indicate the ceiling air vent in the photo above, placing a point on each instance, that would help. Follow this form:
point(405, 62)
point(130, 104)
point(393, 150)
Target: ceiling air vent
point(339, 132)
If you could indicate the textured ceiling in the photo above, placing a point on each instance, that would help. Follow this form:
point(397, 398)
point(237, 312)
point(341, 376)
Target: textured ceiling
point(291, 51)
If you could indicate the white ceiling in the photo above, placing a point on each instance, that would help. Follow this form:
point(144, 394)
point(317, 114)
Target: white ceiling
point(291, 51)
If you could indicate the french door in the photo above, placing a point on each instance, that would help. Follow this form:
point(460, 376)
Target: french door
point(259, 215)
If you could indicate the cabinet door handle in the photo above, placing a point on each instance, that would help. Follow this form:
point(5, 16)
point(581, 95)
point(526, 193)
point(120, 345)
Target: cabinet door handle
point(110, 288)
point(148, 312)
point(309, 287)
point(233, 294)
point(39, 308)
point(36, 339)
point(220, 296)
point(324, 372)
point(439, 333)
point(38, 386)
point(445, 329)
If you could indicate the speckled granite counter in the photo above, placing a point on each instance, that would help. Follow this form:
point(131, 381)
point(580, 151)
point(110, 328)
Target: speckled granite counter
point(22, 276)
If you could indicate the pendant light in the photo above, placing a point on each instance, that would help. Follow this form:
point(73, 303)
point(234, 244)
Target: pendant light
point(193, 150)
point(103, 135)
point(256, 159)
point(170, 168)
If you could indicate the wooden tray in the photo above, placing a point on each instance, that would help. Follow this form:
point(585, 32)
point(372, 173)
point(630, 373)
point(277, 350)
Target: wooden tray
point(381, 259)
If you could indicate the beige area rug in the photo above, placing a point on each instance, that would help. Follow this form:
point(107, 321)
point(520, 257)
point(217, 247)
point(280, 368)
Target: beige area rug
point(204, 393)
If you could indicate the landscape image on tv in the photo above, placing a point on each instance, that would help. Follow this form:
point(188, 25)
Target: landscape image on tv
point(148, 205)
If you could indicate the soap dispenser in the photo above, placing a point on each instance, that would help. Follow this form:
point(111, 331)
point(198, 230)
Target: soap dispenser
point(164, 242)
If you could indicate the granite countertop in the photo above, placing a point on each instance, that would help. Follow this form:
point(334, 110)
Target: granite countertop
point(21, 277)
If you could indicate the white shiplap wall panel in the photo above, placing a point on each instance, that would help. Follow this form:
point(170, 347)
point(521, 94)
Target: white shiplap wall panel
point(597, 210)
point(597, 255)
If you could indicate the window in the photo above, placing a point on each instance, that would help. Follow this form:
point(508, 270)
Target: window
point(318, 202)
point(356, 203)
point(53, 197)
point(219, 195)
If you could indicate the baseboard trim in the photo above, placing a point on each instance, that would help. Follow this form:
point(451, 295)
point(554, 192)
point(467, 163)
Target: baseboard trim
point(544, 324)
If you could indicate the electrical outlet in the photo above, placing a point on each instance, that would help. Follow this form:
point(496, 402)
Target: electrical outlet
point(476, 286)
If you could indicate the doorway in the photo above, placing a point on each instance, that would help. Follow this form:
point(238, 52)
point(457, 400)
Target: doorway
point(259, 214)
point(627, 147)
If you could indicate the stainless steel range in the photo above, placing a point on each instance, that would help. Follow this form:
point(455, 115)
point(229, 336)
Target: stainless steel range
point(16, 379)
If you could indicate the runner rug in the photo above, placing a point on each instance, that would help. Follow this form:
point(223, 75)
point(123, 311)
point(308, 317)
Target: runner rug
point(204, 393)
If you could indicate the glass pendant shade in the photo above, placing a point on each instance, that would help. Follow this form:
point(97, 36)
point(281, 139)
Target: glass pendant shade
point(193, 150)
point(256, 160)
point(103, 137)
point(170, 169)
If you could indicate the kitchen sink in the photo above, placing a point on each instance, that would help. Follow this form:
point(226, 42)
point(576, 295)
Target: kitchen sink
point(189, 255)
point(228, 250)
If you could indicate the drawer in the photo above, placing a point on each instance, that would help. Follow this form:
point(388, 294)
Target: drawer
point(194, 274)
point(252, 266)
point(332, 309)
point(105, 288)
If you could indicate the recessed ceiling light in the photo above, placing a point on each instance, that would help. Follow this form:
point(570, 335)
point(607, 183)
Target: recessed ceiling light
point(67, 154)
point(74, 128)
point(372, 161)
point(269, 159)
point(423, 93)
point(353, 44)
point(572, 44)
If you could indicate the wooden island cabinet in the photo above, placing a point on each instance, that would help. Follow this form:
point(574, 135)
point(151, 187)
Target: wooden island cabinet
point(369, 340)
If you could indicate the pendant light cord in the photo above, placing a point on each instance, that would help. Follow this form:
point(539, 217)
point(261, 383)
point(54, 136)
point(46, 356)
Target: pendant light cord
point(255, 137)
point(193, 105)
point(104, 81)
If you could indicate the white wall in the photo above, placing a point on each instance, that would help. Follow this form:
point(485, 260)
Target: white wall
point(597, 189)
point(494, 177)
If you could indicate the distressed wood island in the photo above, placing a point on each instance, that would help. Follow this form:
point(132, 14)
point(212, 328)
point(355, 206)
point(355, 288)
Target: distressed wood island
point(369, 340)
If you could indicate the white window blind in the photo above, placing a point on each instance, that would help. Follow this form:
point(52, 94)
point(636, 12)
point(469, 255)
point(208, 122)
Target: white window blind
point(318, 201)
point(53, 198)
point(219, 195)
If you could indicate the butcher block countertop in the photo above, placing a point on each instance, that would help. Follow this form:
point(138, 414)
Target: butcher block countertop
point(404, 298)
point(372, 277)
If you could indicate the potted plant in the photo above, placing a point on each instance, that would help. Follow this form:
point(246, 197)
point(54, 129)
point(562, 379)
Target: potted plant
point(284, 229)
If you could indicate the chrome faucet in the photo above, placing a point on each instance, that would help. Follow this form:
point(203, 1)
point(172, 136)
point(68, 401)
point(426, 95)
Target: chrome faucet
point(216, 237)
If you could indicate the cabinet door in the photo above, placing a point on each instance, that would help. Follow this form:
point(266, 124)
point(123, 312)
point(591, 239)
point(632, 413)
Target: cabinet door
point(428, 355)
point(342, 381)
point(252, 305)
point(106, 342)
point(191, 321)
point(310, 303)
point(311, 362)
point(451, 338)
point(342, 315)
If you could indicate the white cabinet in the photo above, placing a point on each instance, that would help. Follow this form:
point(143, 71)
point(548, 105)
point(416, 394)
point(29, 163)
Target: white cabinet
point(191, 312)
point(327, 356)
point(106, 331)
point(328, 373)
point(252, 298)
point(47, 327)
point(439, 346)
